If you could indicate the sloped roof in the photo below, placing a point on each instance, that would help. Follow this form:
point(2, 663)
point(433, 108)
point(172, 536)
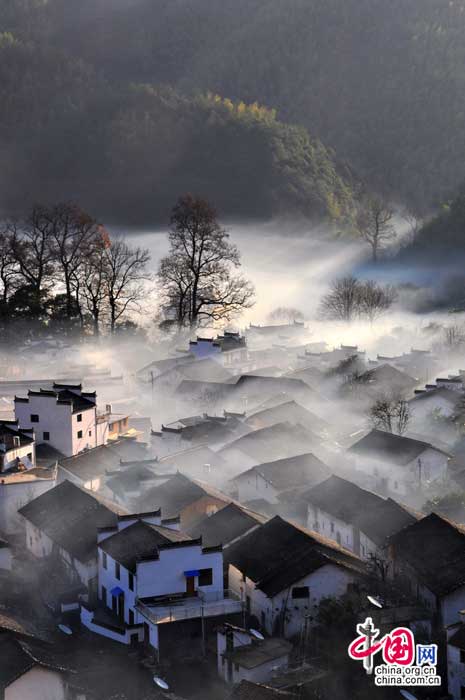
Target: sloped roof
point(70, 516)
point(139, 540)
point(289, 411)
point(435, 548)
point(252, 655)
point(281, 439)
point(397, 449)
point(280, 553)
point(226, 525)
point(175, 494)
point(377, 517)
point(449, 395)
point(458, 638)
point(290, 472)
point(17, 658)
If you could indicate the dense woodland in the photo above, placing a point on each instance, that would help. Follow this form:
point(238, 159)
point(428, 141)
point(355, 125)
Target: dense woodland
point(112, 103)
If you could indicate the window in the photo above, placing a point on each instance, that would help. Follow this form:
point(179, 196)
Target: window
point(46, 435)
point(79, 418)
point(131, 582)
point(29, 456)
point(462, 656)
point(34, 417)
point(117, 570)
point(462, 691)
point(332, 527)
point(90, 433)
point(300, 592)
point(131, 617)
point(79, 434)
point(104, 560)
point(205, 577)
point(396, 485)
point(104, 595)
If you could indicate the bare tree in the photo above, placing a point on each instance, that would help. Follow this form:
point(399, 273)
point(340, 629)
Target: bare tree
point(125, 270)
point(342, 301)
point(72, 232)
point(8, 265)
point(33, 251)
point(375, 299)
point(413, 222)
point(196, 275)
point(286, 313)
point(89, 279)
point(392, 415)
point(374, 224)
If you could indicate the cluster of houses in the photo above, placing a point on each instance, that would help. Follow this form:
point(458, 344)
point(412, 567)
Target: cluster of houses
point(214, 521)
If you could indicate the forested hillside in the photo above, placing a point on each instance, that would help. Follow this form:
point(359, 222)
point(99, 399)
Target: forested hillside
point(105, 96)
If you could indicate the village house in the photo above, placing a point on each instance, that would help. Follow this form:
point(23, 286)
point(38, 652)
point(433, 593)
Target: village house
point(428, 559)
point(270, 480)
point(199, 461)
point(230, 349)
point(19, 488)
point(63, 523)
point(434, 403)
point(150, 372)
point(357, 519)
point(17, 446)
point(226, 526)
point(398, 464)
point(90, 469)
point(241, 656)
point(29, 671)
point(189, 499)
point(203, 370)
point(277, 441)
point(202, 429)
point(64, 417)
point(150, 574)
point(291, 412)
point(282, 571)
point(6, 555)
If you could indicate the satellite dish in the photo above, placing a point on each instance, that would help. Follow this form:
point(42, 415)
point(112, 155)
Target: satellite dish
point(257, 634)
point(161, 683)
point(408, 696)
point(375, 601)
point(65, 629)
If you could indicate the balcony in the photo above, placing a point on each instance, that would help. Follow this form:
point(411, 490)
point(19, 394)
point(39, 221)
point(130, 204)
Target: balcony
point(174, 608)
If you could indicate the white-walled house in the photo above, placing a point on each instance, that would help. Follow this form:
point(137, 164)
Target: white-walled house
point(357, 519)
point(17, 446)
point(151, 574)
point(64, 417)
point(398, 464)
point(282, 572)
point(28, 672)
point(19, 488)
point(63, 522)
point(268, 480)
point(428, 560)
point(243, 657)
point(6, 556)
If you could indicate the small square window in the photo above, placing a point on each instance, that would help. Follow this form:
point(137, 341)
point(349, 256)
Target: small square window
point(300, 592)
point(46, 435)
point(34, 417)
point(79, 434)
point(79, 418)
point(205, 577)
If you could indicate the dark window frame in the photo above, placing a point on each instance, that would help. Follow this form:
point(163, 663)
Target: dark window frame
point(300, 593)
point(205, 577)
